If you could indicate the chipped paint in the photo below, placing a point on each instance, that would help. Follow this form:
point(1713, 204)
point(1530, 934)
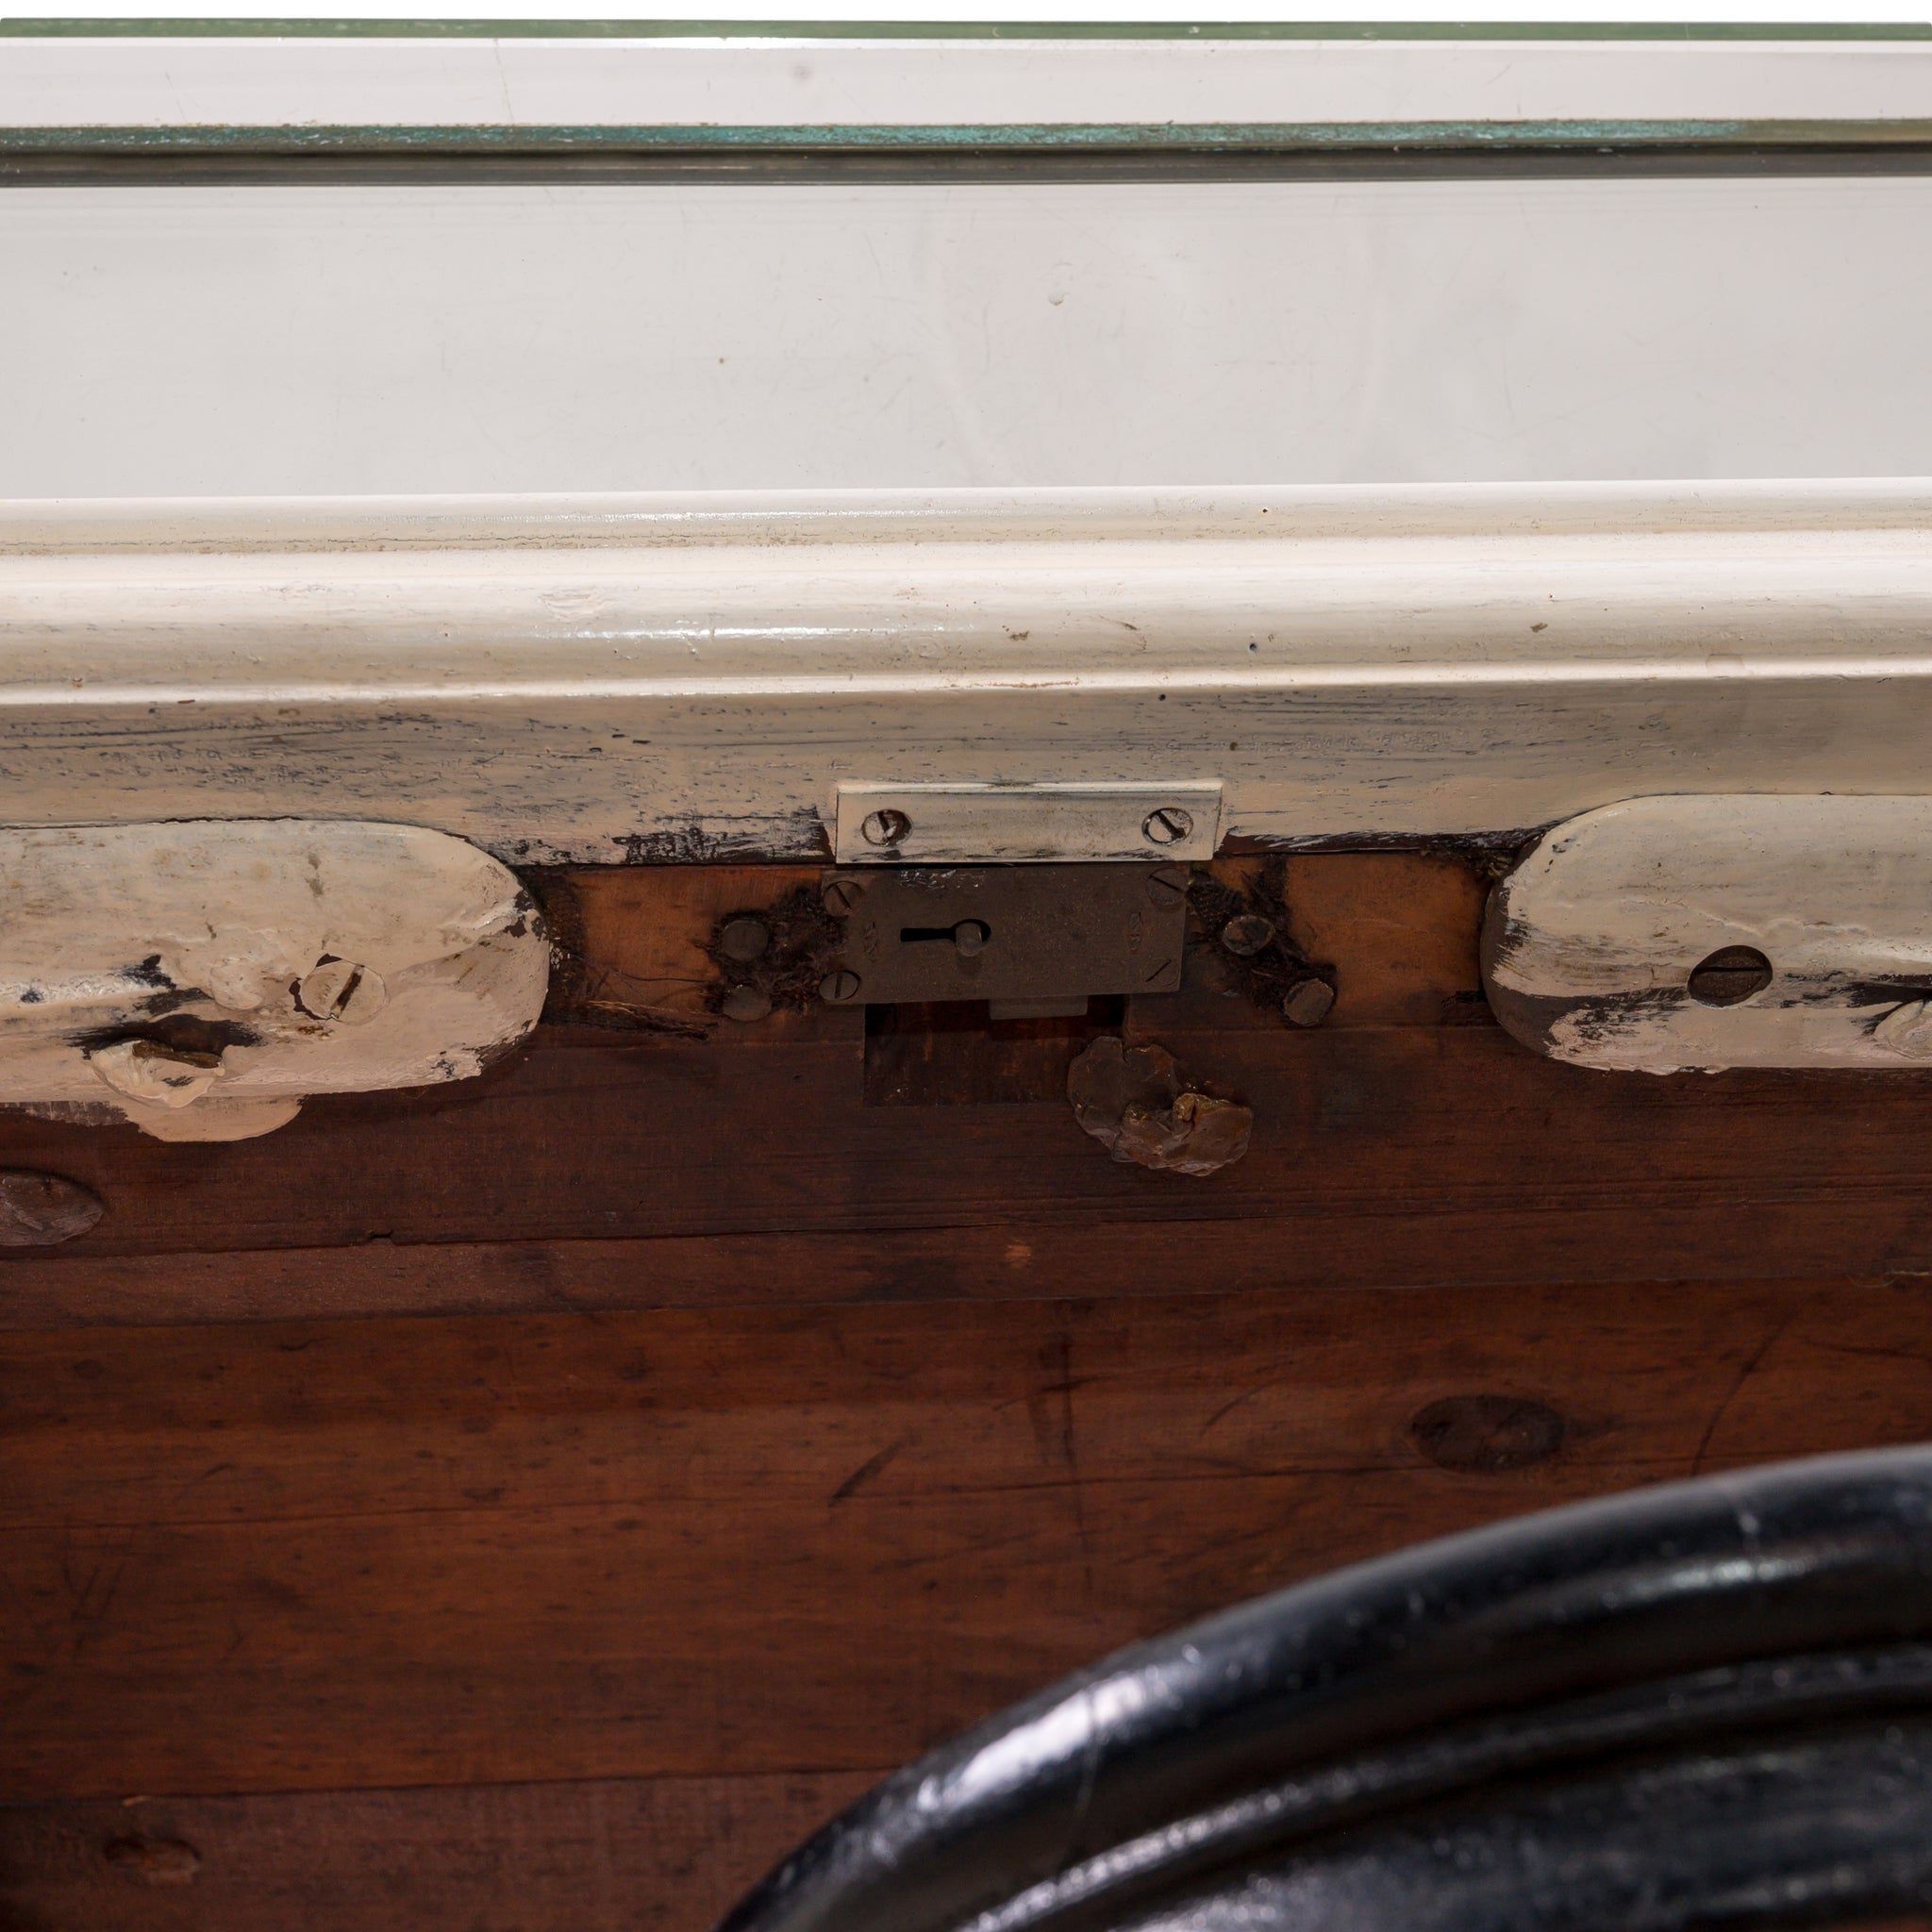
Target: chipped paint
point(201, 979)
point(589, 679)
point(1591, 943)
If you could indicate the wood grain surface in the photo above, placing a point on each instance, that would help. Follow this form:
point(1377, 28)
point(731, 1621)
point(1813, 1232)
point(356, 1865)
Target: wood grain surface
point(703, 1544)
point(536, 1503)
point(658, 1854)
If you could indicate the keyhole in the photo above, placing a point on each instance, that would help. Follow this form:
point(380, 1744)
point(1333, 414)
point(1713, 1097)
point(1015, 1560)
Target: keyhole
point(968, 935)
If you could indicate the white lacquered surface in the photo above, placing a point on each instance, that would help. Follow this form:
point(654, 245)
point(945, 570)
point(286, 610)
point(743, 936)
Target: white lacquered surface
point(593, 680)
point(175, 341)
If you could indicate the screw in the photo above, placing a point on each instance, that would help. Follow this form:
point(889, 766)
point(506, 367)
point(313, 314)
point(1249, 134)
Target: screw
point(838, 987)
point(745, 1004)
point(743, 940)
point(1167, 824)
point(340, 990)
point(147, 1070)
point(1308, 1002)
point(970, 936)
point(885, 827)
point(1906, 1030)
point(1167, 885)
point(1247, 935)
point(841, 896)
point(1729, 976)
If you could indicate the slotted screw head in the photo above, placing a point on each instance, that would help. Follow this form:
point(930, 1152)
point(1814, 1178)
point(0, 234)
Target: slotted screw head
point(1247, 935)
point(745, 1004)
point(1729, 976)
point(841, 896)
point(840, 987)
point(1167, 885)
point(1167, 824)
point(744, 939)
point(1308, 1002)
point(885, 827)
point(340, 990)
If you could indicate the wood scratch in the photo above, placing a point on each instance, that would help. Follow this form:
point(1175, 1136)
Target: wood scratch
point(1750, 1368)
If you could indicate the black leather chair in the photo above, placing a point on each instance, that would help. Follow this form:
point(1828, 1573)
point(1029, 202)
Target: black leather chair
point(1702, 1704)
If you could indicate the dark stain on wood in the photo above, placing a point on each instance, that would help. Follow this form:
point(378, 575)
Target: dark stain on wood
point(1485, 1435)
point(776, 1399)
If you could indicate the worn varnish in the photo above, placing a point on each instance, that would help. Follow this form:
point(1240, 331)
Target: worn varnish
point(277, 1556)
point(658, 1854)
point(549, 1497)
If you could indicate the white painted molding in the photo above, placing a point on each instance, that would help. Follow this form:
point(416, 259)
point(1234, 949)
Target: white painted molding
point(596, 679)
point(200, 979)
point(160, 82)
point(1814, 916)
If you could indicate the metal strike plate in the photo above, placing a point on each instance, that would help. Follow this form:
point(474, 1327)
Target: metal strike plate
point(1019, 934)
point(1664, 935)
point(1025, 824)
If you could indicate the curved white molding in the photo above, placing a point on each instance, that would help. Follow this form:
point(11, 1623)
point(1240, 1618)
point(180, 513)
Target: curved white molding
point(594, 679)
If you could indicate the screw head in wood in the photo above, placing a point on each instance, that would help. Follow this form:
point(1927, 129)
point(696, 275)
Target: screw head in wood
point(841, 896)
point(1247, 935)
point(145, 1070)
point(1906, 1030)
point(745, 1004)
point(885, 827)
point(744, 939)
point(1729, 976)
point(340, 990)
point(1308, 1002)
point(1167, 824)
point(838, 988)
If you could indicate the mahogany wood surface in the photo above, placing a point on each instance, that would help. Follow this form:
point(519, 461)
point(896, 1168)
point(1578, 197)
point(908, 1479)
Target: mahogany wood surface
point(282, 1556)
point(534, 1504)
point(656, 1855)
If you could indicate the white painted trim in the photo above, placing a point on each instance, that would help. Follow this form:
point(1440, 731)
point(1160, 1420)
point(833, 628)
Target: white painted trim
point(160, 82)
point(1593, 940)
point(596, 679)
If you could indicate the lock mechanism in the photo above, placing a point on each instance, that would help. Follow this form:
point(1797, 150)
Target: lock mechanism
point(1030, 939)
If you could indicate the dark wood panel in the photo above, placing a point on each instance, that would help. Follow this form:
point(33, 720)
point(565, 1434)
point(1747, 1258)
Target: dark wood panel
point(672, 1138)
point(1392, 1146)
point(1008, 1260)
point(1399, 927)
point(664, 1855)
point(283, 1555)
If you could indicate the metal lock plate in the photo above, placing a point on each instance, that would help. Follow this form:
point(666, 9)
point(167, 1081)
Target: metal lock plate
point(1026, 824)
point(1007, 933)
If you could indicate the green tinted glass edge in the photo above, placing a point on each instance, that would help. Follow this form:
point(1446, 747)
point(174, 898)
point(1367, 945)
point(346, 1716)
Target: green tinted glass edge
point(957, 30)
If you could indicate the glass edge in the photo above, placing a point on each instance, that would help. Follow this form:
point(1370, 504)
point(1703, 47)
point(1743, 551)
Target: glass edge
point(56, 27)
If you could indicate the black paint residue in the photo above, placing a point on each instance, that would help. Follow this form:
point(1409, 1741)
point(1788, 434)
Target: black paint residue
point(803, 940)
point(1267, 977)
